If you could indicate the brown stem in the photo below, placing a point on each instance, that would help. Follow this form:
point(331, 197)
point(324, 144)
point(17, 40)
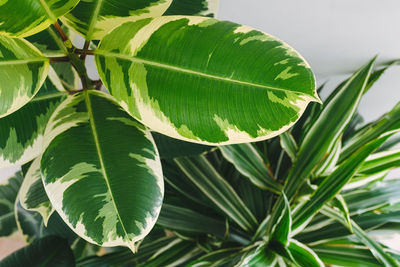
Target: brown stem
point(97, 84)
point(85, 49)
point(60, 31)
point(84, 52)
point(59, 59)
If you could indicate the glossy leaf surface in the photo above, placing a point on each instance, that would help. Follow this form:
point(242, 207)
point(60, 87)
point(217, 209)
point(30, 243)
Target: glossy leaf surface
point(110, 193)
point(23, 70)
point(21, 133)
point(95, 18)
point(21, 18)
point(207, 8)
point(240, 85)
point(32, 194)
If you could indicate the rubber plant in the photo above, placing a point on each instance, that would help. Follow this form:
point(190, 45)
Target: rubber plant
point(101, 158)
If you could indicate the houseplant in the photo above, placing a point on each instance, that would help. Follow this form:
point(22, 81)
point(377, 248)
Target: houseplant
point(97, 171)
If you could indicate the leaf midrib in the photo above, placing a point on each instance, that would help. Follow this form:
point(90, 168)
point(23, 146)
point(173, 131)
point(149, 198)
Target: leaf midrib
point(48, 10)
point(197, 73)
point(92, 22)
point(22, 61)
point(100, 155)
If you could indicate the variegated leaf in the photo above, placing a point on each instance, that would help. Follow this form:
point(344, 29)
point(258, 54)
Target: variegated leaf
point(32, 195)
point(95, 18)
point(207, 8)
point(21, 133)
point(8, 195)
point(23, 69)
point(21, 18)
point(204, 80)
point(101, 171)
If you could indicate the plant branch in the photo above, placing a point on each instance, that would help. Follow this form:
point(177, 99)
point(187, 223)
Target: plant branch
point(75, 60)
point(59, 59)
point(85, 49)
point(84, 52)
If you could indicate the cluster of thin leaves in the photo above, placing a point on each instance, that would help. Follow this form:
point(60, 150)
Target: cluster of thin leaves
point(316, 195)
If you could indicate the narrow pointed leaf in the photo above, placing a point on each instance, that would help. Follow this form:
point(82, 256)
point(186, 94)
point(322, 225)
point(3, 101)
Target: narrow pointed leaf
point(176, 253)
point(303, 255)
point(282, 229)
point(207, 8)
point(261, 256)
point(289, 145)
point(47, 252)
point(346, 255)
point(21, 18)
point(217, 257)
point(97, 190)
point(379, 162)
point(209, 181)
point(389, 122)
point(339, 203)
point(182, 219)
point(32, 195)
point(334, 183)
point(95, 18)
point(375, 247)
point(248, 161)
point(23, 70)
point(21, 133)
point(8, 195)
point(329, 125)
point(323, 134)
point(235, 67)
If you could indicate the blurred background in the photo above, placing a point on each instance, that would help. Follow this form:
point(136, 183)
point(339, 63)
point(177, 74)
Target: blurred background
point(335, 36)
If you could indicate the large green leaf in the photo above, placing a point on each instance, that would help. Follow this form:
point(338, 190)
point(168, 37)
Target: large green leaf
point(32, 195)
point(8, 195)
point(110, 192)
point(46, 252)
point(95, 18)
point(23, 70)
point(21, 133)
point(21, 18)
point(208, 8)
point(248, 161)
point(217, 189)
point(240, 85)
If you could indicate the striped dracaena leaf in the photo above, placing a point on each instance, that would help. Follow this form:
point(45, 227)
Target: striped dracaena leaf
point(8, 195)
point(380, 161)
point(334, 183)
point(389, 122)
point(108, 190)
point(21, 18)
point(32, 194)
point(260, 256)
point(201, 173)
point(95, 18)
point(281, 231)
point(385, 258)
point(207, 8)
point(248, 161)
point(303, 255)
point(21, 133)
point(23, 69)
point(240, 85)
point(324, 133)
